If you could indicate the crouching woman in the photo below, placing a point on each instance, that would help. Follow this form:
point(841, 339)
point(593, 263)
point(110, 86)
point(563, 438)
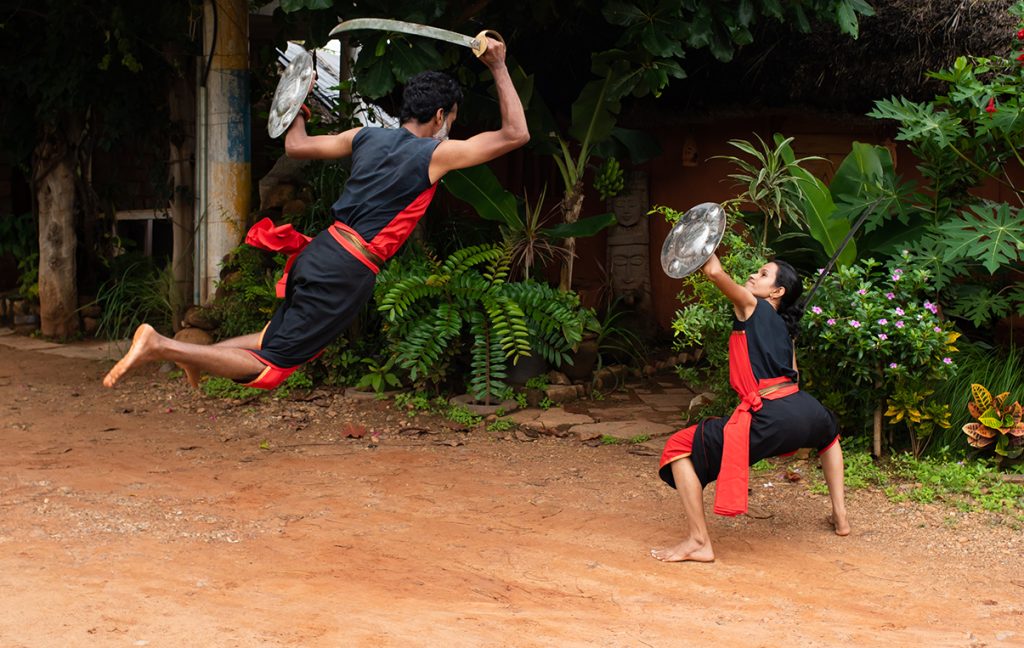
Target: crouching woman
point(774, 417)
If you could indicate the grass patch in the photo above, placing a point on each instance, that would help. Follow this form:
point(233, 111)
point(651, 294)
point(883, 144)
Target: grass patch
point(963, 485)
point(500, 425)
point(218, 387)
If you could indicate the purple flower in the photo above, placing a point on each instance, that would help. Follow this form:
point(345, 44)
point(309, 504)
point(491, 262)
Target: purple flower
point(932, 307)
point(937, 329)
point(947, 360)
point(854, 323)
point(897, 272)
point(883, 336)
point(831, 322)
point(899, 311)
point(899, 324)
point(862, 292)
point(816, 310)
point(893, 365)
point(821, 270)
point(883, 321)
point(890, 295)
point(896, 275)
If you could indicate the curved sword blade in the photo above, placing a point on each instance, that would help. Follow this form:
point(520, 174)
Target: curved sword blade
point(414, 29)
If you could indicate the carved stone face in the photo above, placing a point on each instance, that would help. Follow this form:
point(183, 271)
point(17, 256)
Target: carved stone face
point(630, 270)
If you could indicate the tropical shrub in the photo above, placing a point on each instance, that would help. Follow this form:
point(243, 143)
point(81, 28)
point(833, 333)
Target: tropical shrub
point(18, 238)
point(874, 342)
point(976, 363)
point(138, 291)
point(999, 423)
point(967, 136)
point(246, 295)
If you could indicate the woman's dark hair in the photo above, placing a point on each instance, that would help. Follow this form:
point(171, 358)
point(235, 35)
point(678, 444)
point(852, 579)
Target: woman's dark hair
point(790, 308)
point(425, 93)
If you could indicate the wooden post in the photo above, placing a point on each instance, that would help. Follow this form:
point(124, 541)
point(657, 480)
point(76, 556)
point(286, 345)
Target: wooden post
point(877, 445)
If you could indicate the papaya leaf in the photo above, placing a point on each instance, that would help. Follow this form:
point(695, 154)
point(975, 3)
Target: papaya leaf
point(993, 234)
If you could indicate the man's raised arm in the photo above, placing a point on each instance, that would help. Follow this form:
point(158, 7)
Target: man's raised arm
point(460, 154)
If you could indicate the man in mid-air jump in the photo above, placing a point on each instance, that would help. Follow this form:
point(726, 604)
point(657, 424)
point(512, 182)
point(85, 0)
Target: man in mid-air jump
point(393, 179)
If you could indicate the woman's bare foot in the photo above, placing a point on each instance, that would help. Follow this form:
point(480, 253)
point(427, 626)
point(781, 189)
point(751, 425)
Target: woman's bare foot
point(688, 549)
point(840, 524)
point(192, 375)
point(144, 342)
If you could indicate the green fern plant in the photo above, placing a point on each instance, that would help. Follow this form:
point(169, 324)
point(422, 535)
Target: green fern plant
point(435, 310)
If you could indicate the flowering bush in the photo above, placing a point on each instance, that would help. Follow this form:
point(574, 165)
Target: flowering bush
point(871, 340)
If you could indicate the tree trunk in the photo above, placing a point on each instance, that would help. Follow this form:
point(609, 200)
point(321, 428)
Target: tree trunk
point(572, 205)
point(54, 181)
point(182, 152)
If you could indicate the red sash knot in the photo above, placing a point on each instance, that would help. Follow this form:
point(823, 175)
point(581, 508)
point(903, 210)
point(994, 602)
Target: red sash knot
point(280, 238)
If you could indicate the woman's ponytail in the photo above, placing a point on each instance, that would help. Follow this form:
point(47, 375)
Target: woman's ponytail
point(791, 309)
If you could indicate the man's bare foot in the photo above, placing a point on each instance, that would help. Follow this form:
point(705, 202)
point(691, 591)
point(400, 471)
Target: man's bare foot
point(840, 524)
point(688, 549)
point(144, 342)
point(192, 374)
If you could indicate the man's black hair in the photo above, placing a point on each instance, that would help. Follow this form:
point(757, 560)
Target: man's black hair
point(425, 93)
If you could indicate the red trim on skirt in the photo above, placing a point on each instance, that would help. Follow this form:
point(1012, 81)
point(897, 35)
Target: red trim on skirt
point(679, 445)
point(271, 376)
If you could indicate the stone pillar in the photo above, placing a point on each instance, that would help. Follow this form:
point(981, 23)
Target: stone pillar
point(228, 143)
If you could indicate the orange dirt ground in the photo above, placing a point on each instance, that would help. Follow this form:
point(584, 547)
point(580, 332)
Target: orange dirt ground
point(150, 515)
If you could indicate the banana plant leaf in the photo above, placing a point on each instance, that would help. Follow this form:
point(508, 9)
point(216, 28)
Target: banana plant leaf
point(582, 228)
point(819, 211)
point(479, 187)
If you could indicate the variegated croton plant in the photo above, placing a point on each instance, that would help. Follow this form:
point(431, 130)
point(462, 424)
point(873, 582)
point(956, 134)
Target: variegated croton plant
point(999, 422)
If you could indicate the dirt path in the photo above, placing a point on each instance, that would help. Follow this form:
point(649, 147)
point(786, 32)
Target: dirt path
point(151, 516)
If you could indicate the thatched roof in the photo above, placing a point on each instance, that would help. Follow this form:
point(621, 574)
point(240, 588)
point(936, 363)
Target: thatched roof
point(833, 73)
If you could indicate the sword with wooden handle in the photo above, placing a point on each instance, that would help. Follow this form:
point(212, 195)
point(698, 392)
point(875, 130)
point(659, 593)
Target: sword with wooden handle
point(476, 43)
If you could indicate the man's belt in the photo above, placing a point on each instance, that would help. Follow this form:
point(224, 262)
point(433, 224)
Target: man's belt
point(354, 243)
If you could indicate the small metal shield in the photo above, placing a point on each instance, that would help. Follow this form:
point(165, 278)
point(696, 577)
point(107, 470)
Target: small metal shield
point(693, 239)
point(295, 84)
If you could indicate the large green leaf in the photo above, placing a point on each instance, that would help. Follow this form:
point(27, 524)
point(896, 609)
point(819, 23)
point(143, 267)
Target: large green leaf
point(593, 115)
point(992, 234)
point(376, 80)
point(865, 164)
point(638, 146)
point(479, 187)
point(582, 228)
point(412, 56)
point(819, 212)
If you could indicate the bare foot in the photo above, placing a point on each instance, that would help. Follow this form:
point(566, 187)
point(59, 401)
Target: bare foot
point(840, 524)
point(688, 549)
point(144, 342)
point(192, 374)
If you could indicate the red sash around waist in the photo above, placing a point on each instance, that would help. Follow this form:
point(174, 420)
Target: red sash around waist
point(287, 240)
point(733, 477)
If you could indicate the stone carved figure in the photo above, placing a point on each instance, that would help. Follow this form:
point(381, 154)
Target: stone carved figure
point(629, 252)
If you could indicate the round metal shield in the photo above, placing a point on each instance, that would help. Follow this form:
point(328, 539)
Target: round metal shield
point(296, 82)
point(693, 239)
